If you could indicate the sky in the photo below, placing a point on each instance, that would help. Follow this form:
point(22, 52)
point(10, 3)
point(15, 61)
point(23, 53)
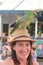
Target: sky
point(21, 4)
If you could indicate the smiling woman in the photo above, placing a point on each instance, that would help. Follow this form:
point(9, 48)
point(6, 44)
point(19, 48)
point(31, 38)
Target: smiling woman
point(20, 43)
point(22, 49)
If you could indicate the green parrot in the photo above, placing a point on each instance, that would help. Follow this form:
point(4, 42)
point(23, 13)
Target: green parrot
point(24, 20)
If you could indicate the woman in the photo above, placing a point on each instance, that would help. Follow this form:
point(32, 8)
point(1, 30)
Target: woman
point(20, 43)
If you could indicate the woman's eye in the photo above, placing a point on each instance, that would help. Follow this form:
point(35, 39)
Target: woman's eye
point(27, 44)
point(20, 45)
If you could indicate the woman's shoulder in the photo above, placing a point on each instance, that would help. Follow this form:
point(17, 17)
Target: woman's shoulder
point(35, 63)
point(8, 61)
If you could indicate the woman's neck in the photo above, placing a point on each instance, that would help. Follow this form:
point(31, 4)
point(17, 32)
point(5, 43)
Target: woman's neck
point(23, 62)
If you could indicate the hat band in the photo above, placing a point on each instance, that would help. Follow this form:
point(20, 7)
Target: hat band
point(22, 36)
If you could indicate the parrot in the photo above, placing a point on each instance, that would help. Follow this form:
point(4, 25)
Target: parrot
point(24, 20)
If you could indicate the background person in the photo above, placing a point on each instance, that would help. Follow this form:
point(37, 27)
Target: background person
point(6, 51)
point(34, 54)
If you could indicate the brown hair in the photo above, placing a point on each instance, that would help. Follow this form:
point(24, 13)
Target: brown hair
point(16, 62)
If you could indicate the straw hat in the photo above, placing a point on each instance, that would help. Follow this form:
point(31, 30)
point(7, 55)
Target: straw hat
point(20, 34)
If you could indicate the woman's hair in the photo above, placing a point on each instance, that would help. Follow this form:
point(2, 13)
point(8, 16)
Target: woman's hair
point(14, 57)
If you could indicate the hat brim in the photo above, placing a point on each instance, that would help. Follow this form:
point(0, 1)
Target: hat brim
point(24, 39)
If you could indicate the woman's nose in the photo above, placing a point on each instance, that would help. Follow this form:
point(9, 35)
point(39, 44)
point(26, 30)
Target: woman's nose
point(24, 48)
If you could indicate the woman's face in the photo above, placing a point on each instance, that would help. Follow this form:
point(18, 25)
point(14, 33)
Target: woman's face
point(22, 49)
